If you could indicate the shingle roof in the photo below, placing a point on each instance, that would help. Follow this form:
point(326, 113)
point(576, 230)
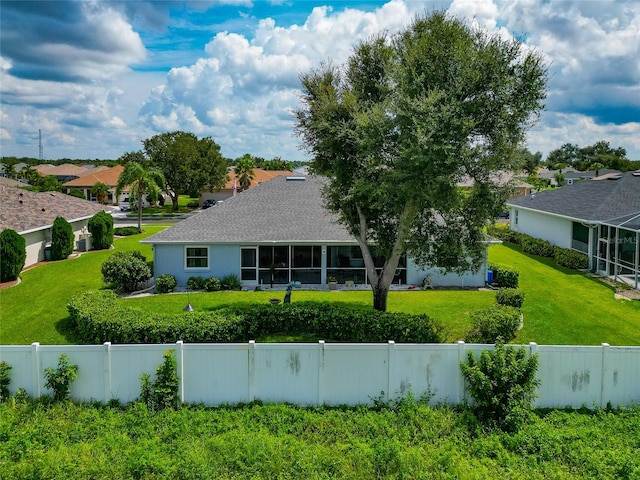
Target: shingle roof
point(108, 176)
point(259, 176)
point(21, 210)
point(279, 210)
point(592, 201)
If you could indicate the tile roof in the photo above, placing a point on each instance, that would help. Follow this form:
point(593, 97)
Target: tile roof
point(66, 169)
point(21, 210)
point(591, 201)
point(108, 176)
point(260, 176)
point(279, 210)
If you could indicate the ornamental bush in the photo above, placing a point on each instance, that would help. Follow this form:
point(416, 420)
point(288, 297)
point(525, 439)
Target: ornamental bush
point(126, 231)
point(166, 283)
point(511, 297)
point(231, 282)
point(101, 228)
point(498, 322)
point(573, 259)
point(13, 254)
point(503, 385)
point(62, 239)
point(536, 246)
point(125, 272)
point(98, 317)
point(212, 284)
point(196, 283)
point(504, 277)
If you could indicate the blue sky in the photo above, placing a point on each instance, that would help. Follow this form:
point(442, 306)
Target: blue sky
point(98, 77)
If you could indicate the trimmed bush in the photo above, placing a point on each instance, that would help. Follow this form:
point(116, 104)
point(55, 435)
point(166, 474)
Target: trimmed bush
point(196, 283)
point(213, 284)
point(495, 323)
point(126, 271)
point(62, 239)
point(511, 297)
point(13, 254)
point(503, 385)
point(573, 259)
point(101, 228)
point(126, 231)
point(505, 277)
point(536, 246)
point(98, 317)
point(231, 282)
point(166, 283)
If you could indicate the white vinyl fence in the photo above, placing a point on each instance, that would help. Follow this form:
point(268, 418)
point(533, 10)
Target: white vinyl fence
point(323, 373)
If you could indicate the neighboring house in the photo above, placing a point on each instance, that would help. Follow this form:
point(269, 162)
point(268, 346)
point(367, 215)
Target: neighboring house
point(600, 218)
point(64, 172)
point(278, 228)
point(572, 177)
point(517, 186)
point(107, 175)
point(227, 191)
point(32, 215)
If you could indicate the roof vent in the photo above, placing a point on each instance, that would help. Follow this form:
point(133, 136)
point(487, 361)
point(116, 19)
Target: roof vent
point(614, 177)
point(295, 179)
point(636, 173)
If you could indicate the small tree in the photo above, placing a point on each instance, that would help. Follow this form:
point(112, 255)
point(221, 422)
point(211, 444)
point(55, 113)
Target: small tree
point(61, 239)
point(101, 192)
point(13, 254)
point(125, 271)
point(59, 379)
point(163, 391)
point(503, 385)
point(101, 228)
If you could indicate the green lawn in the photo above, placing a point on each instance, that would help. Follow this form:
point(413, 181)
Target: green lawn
point(561, 306)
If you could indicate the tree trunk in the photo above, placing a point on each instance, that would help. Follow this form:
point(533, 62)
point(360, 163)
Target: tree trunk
point(174, 201)
point(380, 294)
point(139, 211)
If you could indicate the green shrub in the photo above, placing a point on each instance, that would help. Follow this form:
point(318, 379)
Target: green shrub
point(573, 259)
point(126, 271)
point(59, 379)
point(495, 323)
point(505, 234)
point(98, 318)
point(231, 282)
point(503, 385)
point(162, 392)
point(126, 231)
point(166, 283)
point(536, 246)
point(13, 254)
point(62, 239)
point(5, 380)
point(504, 277)
point(77, 192)
point(101, 228)
point(196, 283)
point(212, 284)
point(512, 297)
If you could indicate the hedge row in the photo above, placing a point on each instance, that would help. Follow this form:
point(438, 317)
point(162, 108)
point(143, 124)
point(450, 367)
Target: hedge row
point(98, 317)
point(565, 257)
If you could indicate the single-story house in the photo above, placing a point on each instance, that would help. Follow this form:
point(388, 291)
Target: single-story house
point(32, 215)
point(232, 186)
point(600, 218)
point(571, 177)
point(281, 230)
point(64, 172)
point(517, 186)
point(107, 175)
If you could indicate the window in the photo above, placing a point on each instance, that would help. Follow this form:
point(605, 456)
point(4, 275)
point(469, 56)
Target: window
point(197, 257)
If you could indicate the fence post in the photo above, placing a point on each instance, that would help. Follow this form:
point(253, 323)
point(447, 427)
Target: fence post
point(180, 368)
point(36, 380)
point(107, 371)
point(604, 399)
point(251, 373)
point(321, 374)
point(533, 349)
point(391, 351)
point(461, 358)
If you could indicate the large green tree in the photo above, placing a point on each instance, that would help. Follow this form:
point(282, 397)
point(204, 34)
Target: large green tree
point(140, 181)
point(189, 164)
point(403, 122)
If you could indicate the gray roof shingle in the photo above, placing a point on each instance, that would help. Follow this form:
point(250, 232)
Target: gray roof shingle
point(278, 210)
point(593, 200)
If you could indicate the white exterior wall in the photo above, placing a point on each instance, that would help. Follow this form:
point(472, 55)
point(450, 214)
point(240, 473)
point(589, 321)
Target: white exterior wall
point(324, 374)
point(556, 230)
point(37, 240)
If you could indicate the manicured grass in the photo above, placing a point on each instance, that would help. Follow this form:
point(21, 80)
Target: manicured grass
point(287, 442)
point(36, 309)
point(563, 306)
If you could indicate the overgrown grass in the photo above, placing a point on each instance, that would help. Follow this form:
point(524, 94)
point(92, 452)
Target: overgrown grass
point(286, 442)
point(36, 309)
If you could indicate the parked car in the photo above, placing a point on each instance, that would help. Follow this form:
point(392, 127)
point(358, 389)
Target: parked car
point(208, 203)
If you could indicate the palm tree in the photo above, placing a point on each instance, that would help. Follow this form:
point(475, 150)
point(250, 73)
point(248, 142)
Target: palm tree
point(244, 171)
point(101, 192)
point(140, 182)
